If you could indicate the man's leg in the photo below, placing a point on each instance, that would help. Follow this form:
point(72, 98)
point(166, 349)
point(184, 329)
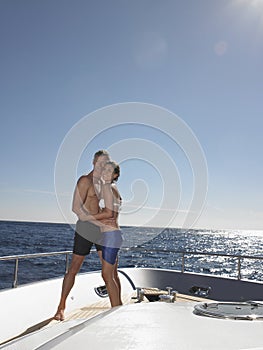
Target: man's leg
point(68, 283)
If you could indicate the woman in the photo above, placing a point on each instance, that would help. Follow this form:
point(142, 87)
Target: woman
point(111, 239)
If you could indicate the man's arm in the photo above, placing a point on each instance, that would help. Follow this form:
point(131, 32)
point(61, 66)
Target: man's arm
point(107, 212)
point(79, 197)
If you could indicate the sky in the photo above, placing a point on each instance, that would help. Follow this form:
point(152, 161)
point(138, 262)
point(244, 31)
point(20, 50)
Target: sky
point(173, 89)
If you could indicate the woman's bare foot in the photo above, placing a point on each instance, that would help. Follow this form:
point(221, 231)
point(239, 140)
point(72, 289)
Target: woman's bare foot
point(59, 316)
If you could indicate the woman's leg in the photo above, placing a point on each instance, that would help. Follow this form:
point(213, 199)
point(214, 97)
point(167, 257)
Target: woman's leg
point(111, 284)
point(116, 277)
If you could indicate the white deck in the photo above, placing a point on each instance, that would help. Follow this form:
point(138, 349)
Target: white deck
point(33, 306)
point(158, 326)
point(144, 325)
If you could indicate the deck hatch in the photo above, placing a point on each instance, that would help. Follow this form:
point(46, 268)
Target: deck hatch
point(101, 291)
point(250, 310)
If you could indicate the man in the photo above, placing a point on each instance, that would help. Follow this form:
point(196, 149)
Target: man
point(85, 202)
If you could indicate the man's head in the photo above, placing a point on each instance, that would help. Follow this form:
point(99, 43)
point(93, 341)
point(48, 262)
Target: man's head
point(101, 157)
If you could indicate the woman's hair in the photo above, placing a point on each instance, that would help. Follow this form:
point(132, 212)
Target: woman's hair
point(116, 168)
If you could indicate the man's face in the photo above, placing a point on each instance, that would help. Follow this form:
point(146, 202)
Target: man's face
point(99, 163)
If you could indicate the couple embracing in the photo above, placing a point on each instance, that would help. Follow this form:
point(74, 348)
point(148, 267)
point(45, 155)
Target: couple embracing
point(96, 202)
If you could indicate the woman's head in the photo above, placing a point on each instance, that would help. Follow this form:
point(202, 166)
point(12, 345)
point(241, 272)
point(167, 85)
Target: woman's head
point(111, 171)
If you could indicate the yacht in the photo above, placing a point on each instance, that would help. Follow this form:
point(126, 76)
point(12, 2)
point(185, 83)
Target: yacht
point(162, 309)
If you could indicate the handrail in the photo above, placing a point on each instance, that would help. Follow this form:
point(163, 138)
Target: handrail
point(188, 252)
point(30, 256)
point(183, 254)
point(33, 255)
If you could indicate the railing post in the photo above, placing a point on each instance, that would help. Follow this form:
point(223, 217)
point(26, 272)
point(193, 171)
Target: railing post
point(15, 273)
point(67, 262)
point(183, 259)
point(239, 268)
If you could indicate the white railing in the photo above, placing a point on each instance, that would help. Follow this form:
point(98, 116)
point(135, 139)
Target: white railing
point(183, 255)
point(17, 258)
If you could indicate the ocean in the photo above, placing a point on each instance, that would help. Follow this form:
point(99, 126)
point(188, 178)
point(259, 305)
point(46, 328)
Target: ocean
point(143, 247)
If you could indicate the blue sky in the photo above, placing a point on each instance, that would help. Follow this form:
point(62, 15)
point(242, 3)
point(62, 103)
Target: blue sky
point(201, 60)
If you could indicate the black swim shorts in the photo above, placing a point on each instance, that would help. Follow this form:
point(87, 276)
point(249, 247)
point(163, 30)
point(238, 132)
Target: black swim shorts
point(86, 234)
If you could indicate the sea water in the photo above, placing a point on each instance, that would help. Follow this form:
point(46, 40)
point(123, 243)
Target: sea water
point(143, 247)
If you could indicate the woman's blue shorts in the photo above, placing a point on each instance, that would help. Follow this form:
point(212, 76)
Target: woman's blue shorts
point(111, 242)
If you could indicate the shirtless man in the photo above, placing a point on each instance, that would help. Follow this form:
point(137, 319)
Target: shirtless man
point(85, 202)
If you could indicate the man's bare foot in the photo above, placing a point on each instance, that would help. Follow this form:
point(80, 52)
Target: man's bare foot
point(59, 316)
